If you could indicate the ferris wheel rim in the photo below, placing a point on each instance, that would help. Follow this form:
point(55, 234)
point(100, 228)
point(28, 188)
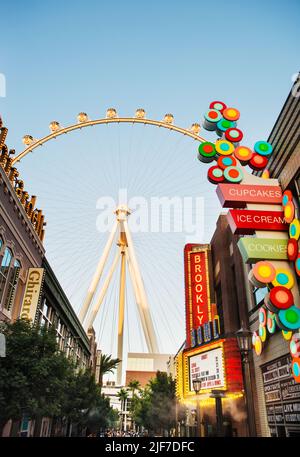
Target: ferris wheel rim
point(90, 123)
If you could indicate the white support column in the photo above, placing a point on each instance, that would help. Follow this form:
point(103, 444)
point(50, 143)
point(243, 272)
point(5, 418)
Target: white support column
point(102, 293)
point(121, 312)
point(144, 302)
point(138, 301)
point(97, 275)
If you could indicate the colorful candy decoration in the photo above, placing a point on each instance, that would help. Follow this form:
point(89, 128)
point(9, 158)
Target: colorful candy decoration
point(295, 345)
point(294, 229)
point(262, 316)
point(258, 346)
point(262, 332)
point(258, 162)
point(297, 265)
point(234, 135)
point(206, 152)
point(292, 249)
point(279, 309)
point(279, 298)
point(289, 212)
point(220, 106)
point(243, 154)
point(223, 119)
point(283, 278)
point(263, 273)
point(233, 174)
point(226, 161)
point(296, 368)
point(265, 174)
point(224, 147)
point(215, 175)
point(271, 323)
point(287, 196)
point(254, 336)
point(263, 148)
point(287, 335)
point(288, 319)
point(231, 114)
point(223, 125)
point(211, 118)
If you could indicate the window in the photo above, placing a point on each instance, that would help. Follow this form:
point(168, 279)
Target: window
point(1, 243)
point(259, 294)
point(4, 269)
point(61, 333)
point(47, 314)
point(13, 277)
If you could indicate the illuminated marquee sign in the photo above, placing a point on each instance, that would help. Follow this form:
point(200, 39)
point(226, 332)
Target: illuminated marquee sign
point(197, 290)
point(256, 249)
point(209, 367)
point(237, 195)
point(217, 364)
point(247, 221)
point(32, 293)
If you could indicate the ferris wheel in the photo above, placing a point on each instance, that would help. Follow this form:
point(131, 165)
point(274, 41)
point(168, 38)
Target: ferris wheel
point(125, 156)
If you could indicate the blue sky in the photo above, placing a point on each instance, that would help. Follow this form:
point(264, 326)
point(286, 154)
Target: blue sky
point(60, 58)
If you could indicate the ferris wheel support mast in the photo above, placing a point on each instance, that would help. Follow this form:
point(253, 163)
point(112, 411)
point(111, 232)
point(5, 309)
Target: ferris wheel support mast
point(97, 275)
point(138, 301)
point(144, 302)
point(122, 244)
point(126, 255)
point(99, 301)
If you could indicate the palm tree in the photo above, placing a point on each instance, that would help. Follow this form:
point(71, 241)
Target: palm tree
point(122, 395)
point(133, 385)
point(107, 365)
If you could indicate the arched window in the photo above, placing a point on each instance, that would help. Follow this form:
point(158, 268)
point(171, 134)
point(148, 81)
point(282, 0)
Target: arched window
point(13, 277)
point(4, 270)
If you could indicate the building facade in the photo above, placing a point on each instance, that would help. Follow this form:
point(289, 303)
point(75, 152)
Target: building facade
point(54, 309)
point(142, 367)
point(28, 285)
point(211, 353)
point(20, 248)
point(277, 394)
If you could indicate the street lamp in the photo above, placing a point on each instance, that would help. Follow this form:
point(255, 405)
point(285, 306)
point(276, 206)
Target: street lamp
point(244, 339)
point(197, 385)
point(197, 388)
point(218, 395)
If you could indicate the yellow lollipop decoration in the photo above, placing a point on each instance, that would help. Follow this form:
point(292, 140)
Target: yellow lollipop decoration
point(283, 278)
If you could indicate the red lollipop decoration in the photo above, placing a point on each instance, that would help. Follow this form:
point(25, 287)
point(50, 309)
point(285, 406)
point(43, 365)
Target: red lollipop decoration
point(220, 106)
point(280, 298)
point(215, 175)
point(258, 162)
point(234, 135)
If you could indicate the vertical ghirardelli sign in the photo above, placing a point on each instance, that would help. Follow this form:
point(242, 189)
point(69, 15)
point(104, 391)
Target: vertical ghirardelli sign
point(197, 287)
point(32, 293)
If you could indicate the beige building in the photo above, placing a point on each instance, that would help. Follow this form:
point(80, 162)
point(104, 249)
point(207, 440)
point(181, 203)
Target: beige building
point(143, 366)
